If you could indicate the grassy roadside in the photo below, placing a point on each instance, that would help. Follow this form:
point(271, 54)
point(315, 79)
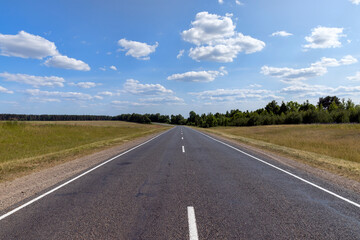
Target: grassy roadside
point(30, 146)
point(334, 147)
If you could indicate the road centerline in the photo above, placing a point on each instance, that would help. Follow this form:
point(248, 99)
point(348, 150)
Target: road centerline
point(183, 149)
point(193, 233)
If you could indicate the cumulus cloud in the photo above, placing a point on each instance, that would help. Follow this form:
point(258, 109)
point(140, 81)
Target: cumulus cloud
point(226, 95)
point(181, 53)
point(316, 69)
point(221, 1)
point(107, 93)
point(35, 81)
point(226, 50)
point(354, 78)
point(306, 90)
point(199, 76)
point(238, 2)
point(113, 68)
point(356, 2)
point(255, 85)
point(281, 34)
point(209, 27)
point(26, 45)
point(216, 40)
point(84, 84)
point(44, 100)
point(135, 87)
point(64, 95)
point(65, 62)
point(163, 100)
point(5, 90)
point(324, 37)
point(137, 50)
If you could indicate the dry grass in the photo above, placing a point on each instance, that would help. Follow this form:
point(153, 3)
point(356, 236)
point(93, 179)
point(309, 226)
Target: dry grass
point(30, 146)
point(330, 147)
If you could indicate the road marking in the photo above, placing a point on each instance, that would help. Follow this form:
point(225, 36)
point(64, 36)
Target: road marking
point(183, 149)
point(75, 178)
point(193, 233)
point(182, 138)
point(284, 171)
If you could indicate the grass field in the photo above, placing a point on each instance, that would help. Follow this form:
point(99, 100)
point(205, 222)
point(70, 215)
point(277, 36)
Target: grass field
point(29, 146)
point(333, 147)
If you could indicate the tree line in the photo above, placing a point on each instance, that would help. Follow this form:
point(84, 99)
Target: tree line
point(329, 109)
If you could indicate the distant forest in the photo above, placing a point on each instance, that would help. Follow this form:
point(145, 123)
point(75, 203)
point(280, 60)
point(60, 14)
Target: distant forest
point(329, 109)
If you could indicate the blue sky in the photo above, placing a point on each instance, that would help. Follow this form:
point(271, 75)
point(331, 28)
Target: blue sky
point(168, 56)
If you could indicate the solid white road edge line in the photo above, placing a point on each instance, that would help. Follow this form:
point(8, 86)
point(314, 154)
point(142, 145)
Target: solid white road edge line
point(183, 149)
point(289, 173)
point(193, 233)
point(75, 178)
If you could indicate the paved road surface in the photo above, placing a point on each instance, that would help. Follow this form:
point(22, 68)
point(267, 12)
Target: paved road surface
point(182, 182)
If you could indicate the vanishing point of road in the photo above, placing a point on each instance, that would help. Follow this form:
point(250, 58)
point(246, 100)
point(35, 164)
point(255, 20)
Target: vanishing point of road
point(186, 185)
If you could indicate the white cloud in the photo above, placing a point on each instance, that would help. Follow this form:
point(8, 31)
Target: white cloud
point(306, 90)
point(44, 100)
point(113, 68)
point(168, 100)
point(221, 1)
point(102, 68)
point(227, 49)
point(107, 93)
point(217, 40)
point(84, 84)
point(255, 85)
point(65, 62)
point(5, 90)
point(35, 81)
point(181, 53)
point(281, 34)
point(228, 95)
point(65, 95)
point(316, 69)
point(239, 3)
point(354, 78)
point(199, 76)
point(135, 87)
point(163, 100)
point(209, 27)
point(26, 45)
point(324, 37)
point(356, 2)
point(137, 50)
point(332, 62)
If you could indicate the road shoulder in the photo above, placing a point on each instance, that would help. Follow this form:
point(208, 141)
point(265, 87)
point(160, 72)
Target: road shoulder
point(15, 191)
point(338, 180)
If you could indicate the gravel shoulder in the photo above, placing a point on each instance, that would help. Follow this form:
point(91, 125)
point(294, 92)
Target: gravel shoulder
point(12, 192)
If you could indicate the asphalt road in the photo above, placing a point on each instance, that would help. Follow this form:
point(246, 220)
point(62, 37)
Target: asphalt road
point(183, 183)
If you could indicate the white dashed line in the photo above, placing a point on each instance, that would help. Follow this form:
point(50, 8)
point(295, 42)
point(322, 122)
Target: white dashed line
point(193, 233)
point(182, 138)
point(183, 149)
